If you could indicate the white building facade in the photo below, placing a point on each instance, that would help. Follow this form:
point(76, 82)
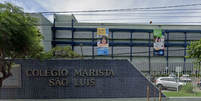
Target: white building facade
point(126, 41)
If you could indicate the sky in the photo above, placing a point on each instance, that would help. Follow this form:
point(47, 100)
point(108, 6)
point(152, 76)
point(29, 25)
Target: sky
point(184, 12)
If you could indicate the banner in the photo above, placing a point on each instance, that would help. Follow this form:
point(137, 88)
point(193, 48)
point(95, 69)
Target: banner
point(102, 41)
point(158, 42)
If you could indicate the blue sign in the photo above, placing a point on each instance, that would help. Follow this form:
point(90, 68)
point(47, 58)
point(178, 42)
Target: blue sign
point(159, 52)
point(102, 51)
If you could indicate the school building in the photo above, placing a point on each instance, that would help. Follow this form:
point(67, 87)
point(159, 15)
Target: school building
point(133, 42)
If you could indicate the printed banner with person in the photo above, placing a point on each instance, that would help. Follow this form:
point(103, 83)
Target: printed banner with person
point(102, 41)
point(158, 42)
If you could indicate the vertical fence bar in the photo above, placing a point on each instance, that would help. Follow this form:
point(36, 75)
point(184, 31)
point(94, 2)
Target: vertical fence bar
point(131, 47)
point(112, 45)
point(93, 45)
point(167, 49)
point(54, 33)
point(149, 51)
point(72, 30)
point(184, 53)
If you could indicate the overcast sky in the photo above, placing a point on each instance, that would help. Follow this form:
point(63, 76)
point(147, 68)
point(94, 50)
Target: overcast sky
point(126, 11)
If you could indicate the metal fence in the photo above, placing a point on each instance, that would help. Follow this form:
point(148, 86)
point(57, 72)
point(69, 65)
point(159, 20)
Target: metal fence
point(160, 67)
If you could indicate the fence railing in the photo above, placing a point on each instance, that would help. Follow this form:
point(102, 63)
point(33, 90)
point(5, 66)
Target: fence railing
point(160, 67)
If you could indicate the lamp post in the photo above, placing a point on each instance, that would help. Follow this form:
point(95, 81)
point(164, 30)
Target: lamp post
point(81, 50)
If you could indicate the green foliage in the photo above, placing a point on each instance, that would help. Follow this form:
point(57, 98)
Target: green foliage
point(181, 94)
point(19, 37)
point(64, 53)
point(179, 75)
point(188, 88)
point(194, 51)
point(161, 75)
point(19, 34)
point(194, 75)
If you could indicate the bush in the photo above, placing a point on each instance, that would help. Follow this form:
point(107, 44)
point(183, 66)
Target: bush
point(64, 53)
point(188, 88)
point(194, 75)
point(161, 75)
point(179, 75)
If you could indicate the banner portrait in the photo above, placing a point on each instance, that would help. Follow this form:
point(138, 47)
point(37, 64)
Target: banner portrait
point(158, 42)
point(102, 41)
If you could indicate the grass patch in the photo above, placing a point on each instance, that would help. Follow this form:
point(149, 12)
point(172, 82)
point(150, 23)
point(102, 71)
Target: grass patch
point(182, 94)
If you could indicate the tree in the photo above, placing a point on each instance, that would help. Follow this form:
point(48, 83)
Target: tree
point(194, 51)
point(64, 53)
point(19, 38)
